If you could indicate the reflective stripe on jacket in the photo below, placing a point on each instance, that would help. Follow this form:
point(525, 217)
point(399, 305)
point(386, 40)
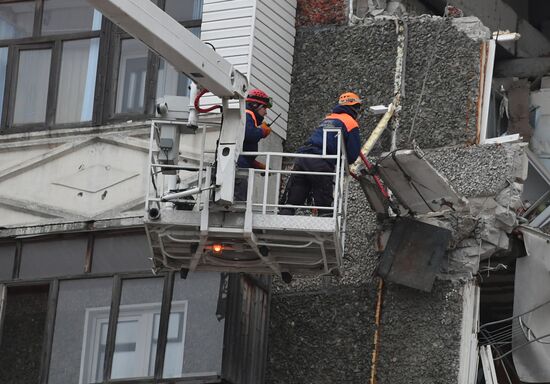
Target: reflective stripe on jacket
point(350, 132)
point(252, 135)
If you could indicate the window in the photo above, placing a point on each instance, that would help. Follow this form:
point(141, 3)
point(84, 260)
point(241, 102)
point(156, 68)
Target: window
point(62, 65)
point(132, 73)
point(51, 50)
point(134, 350)
point(75, 300)
point(77, 81)
point(83, 343)
point(136, 341)
point(173, 83)
point(69, 16)
point(142, 77)
point(16, 19)
point(31, 90)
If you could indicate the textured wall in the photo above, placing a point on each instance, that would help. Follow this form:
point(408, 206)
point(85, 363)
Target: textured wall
point(322, 328)
point(361, 58)
point(321, 12)
point(321, 337)
point(420, 334)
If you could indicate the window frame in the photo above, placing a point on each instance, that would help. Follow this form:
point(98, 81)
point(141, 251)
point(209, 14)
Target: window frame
point(55, 42)
point(14, 77)
point(104, 100)
point(144, 314)
point(109, 107)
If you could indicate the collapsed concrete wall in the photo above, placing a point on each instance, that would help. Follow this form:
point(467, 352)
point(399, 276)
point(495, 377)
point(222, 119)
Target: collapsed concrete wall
point(322, 328)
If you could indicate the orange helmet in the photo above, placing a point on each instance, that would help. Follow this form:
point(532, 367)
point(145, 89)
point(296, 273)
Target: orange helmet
point(260, 97)
point(349, 98)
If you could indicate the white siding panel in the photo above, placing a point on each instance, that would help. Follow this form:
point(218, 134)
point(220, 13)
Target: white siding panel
point(289, 5)
point(223, 25)
point(284, 12)
point(272, 57)
point(228, 42)
point(280, 85)
point(279, 24)
point(271, 87)
point(272, 54)
point(232, 14)
point(229, 33)
point(263, 32)
point(257, 37)
point(211, 6)
point(228, 52)
point(227, 25)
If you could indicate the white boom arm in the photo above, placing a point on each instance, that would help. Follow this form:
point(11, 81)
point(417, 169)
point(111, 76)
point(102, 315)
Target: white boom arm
point(188, 54)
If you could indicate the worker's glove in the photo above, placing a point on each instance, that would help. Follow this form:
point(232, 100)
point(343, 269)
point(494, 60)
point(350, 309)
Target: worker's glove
point(265, 128)
point(258, 165)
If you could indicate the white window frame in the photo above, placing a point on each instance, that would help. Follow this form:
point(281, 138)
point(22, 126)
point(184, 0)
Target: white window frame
point(144, 314)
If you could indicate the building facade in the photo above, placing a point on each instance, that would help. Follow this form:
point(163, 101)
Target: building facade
point(78, 301)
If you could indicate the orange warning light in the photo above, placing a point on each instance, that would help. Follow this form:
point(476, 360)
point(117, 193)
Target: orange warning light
point(217, 248)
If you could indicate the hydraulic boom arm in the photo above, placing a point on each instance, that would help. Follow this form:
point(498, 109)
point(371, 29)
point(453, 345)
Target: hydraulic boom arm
point(188, 54)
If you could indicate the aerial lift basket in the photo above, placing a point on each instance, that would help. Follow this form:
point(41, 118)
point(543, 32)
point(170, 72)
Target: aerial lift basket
point(188, 231)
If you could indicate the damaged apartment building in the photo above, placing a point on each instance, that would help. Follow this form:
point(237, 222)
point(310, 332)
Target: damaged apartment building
point(432, 269)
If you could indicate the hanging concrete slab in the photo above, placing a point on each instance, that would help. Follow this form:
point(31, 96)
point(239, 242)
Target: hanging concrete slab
point(376, 199)
point(414, 253)
point(417, 184)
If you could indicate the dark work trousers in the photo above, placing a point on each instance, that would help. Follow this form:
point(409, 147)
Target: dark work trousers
point(241, 188)
point(300, 186)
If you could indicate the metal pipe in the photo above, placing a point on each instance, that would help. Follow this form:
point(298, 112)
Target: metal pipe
point(266, 182)
point(376, 342)
point(201, 162)
point(189, 192)
point(377, 133)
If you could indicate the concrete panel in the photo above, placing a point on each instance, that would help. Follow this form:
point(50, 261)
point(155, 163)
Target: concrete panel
point(362, 59)
point(421, 335)
point(76, 181)
point(323, 337)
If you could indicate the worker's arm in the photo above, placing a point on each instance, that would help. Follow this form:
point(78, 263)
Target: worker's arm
point(353, 144)
point(252, 133)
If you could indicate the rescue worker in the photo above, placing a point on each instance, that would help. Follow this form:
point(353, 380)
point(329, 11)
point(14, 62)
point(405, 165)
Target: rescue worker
point(301, 186)
point(257, 104)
